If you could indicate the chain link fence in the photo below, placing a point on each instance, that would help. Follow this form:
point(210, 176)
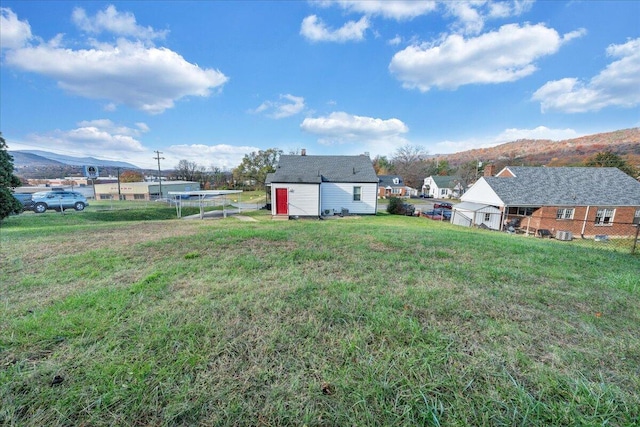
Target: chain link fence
point(598, 229)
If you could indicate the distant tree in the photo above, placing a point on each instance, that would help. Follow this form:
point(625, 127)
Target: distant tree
point(8, 181)
point(186, 170)
point(382, 165)
point(131, 176)
point(218, 178)
point(468, 173)
point(409, 161)
point(256, 165)
point(607, 159)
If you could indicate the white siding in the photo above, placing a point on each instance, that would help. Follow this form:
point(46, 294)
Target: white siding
point(303, 199)
point(481, 192)
point(336, 196)
point(468, 217)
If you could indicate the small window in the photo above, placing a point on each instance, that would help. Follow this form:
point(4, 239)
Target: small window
point(566, 213)
point(487, 217)
point(605, 216)
point(138, 197)
point(636, 217)
point(357, 194)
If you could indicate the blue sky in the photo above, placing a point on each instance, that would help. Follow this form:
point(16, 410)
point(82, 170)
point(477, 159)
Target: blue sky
point(209, 81)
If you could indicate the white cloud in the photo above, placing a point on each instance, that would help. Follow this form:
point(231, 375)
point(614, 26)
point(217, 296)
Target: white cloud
point(395, 41)
point(118, 23)
point(397, 9)
point(381, 136)
point(471, 15)
point(500, 56)
point(315, 30)
point(469, 18)
point(540, 132)
point(128, 72)
point(14, 33)
point(617, 85)
point(287, 106)
point(508, 135)
point(147, 79)
point(92, 138)
point(222, 156)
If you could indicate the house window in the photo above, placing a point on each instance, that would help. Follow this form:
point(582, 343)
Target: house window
point(138, 197)
point(524, 211)
point(636, 217)
point(605, 216)
point(443, 191)
point(487, 217)
point(397, 191)
point(566, 213)
point(357, 194)
point(105, 197)
point(396, 181)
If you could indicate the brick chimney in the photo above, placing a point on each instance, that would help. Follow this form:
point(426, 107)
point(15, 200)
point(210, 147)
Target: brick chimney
point(303, 152)
point(490, 170)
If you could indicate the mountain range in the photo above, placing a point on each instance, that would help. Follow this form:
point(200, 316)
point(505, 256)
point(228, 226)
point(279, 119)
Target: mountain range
point(34, 158)
point(568, 152)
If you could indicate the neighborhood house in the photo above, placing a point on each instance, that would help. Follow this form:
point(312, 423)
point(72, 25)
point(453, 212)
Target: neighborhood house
point(315, 186)
point(442, 187)
point(553, 201)
point(393, 186)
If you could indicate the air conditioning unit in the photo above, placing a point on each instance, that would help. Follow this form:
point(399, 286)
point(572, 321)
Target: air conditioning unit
point(564, 235)
point(328, 212)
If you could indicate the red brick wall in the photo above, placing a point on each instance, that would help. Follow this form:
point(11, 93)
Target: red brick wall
point(545, 217)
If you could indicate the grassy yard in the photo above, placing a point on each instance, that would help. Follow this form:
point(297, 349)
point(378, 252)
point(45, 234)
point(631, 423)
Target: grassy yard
point(131, 317)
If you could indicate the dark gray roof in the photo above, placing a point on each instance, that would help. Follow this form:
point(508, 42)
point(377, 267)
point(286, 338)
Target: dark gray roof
point(316, 169)
point(387, 181)
point(566, 186)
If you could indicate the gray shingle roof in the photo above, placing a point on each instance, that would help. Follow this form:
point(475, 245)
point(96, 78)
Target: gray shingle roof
point(445, 181)
point(316, 169)
point(387, 181)
point(566, 186)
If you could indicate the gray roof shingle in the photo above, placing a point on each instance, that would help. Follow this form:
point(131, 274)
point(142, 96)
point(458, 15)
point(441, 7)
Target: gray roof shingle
point(566, 186)
point(316, 169)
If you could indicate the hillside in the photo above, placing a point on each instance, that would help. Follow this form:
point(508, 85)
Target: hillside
point(625, 143)
point(36, 164)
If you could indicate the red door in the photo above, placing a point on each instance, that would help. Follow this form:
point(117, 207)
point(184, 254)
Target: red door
point(282, 203)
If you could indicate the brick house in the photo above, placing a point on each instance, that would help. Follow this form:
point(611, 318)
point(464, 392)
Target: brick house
point(392, 186)
point(582, 201)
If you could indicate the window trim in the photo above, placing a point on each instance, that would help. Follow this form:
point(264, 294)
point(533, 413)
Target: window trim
point(565, 213)
point(357, 193)
point(602, 220)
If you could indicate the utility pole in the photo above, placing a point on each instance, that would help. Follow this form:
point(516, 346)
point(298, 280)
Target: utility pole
point(158, 158)
point(119, 193)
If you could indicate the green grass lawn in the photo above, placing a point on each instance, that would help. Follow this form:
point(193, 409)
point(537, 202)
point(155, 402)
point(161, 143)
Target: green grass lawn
point(132, 317)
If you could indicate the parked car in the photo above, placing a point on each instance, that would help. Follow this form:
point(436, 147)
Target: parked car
point(58, 200)
point(438, 214)
point(406, 209)
point(25, 199)
point(442, 205)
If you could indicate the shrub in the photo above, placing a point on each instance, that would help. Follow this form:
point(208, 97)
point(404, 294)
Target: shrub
point(395, 206)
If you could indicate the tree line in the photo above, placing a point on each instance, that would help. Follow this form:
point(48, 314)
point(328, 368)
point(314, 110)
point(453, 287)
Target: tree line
point(411, 162)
